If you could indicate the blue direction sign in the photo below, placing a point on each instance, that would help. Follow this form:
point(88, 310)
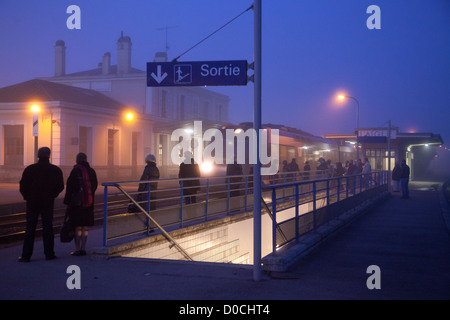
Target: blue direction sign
point(197, 73)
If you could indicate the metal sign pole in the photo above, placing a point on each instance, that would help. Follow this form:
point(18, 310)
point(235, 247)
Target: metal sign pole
point(257, 126)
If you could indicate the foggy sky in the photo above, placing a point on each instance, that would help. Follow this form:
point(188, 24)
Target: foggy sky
point(312, 49)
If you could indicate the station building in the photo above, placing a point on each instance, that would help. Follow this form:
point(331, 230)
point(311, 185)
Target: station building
point(85, 111)
point(69, 120)
point(418, 149)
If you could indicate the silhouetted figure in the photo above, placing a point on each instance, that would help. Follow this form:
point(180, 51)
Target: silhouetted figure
point(339, 171)
point(404, 179)
point(367, 173)
point(293, 167)
point(189, 169)
point(79, 198)
point(40, 184)
point(396, 175)
point(322, 169)
point(307, 169)
point(151, 172)
point(234, 169)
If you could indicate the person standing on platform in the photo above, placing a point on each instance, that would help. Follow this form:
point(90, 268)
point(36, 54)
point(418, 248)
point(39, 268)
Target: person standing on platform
point(367, 173)
point(40, 184)
point(404, 179)
point(293, 167)
point(189, 169)
point(306, 169)
point(151, 172)
point(396, 174)
point(233, 170)
point(82, 181)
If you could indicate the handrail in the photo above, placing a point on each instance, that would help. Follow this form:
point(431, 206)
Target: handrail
point(216, 196)
point(356, 184)
point(271, 217)
point(164, 232)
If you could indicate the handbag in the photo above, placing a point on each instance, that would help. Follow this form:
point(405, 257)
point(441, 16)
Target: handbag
point(67, 231)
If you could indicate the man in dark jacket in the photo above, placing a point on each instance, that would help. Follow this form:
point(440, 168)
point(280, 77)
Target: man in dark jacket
point(233, 170)
point(41, 183)
point(189, 169)
point(404, 179)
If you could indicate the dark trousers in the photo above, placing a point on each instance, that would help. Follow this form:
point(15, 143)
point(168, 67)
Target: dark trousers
point(404, 185)
point(33, 211)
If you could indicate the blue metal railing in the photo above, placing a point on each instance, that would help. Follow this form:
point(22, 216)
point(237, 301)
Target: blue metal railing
point(217, 195)
point(317, 194)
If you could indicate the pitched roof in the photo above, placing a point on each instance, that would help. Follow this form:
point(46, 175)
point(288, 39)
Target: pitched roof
point(41, 90)
point(98, 72)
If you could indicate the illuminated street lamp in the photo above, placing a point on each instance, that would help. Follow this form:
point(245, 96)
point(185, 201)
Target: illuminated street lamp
point(35, 108)
point(129, 116)
point(342, 97)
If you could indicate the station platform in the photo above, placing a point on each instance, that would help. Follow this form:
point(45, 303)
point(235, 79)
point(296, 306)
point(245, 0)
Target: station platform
point(408, 239)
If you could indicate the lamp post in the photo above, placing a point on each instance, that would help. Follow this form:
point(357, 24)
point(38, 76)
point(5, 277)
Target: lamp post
point(342, 97)
point(257, 192)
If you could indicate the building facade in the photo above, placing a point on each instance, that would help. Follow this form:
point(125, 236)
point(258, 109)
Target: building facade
point(69, 120)
point(385, 146)
point(169, 108)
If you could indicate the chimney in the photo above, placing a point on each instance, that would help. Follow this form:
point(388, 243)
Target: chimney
point(106, 63)
point(123, 55)
point(60, 58)
point(160, 57)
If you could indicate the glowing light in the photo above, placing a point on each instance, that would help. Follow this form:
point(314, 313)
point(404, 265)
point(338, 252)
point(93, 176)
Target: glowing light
point(189, 130)
point(35, 108)
point(206, 167)
point(129, 116)
point(341, 97)
point(237, 130)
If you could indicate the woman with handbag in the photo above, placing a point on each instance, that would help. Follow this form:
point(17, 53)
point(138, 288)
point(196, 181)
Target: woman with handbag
point(79, 198)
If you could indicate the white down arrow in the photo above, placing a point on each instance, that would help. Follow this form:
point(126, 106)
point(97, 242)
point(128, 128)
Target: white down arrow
point(158, 76)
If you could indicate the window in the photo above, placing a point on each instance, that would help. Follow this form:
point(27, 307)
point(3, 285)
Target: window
point(13, 144)
point(378, 158)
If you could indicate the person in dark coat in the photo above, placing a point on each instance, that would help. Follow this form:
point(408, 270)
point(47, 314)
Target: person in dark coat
point(79, 198)
point(350, 172)
point(293, 167)
point(234, 169)
point(396, 174)
point(40, 184)
point(322, 169)
point(404, 179)
point(151, 172)
point(339, 171)
point(189, 169)
point(307, 169)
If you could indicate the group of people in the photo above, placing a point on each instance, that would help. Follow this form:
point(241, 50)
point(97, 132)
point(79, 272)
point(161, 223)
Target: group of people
point(400, 173)
point(326, 169)
point(40, 184)
point(400, 178)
